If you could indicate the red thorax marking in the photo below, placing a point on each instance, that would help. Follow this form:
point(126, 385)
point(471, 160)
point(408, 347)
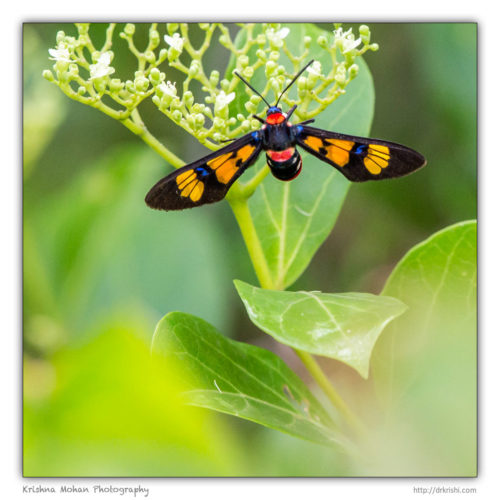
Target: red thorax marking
point(281, 155)
point(275, 118)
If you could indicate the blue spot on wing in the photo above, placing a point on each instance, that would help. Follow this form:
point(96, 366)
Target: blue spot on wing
point(361, 149)
point(202, 171)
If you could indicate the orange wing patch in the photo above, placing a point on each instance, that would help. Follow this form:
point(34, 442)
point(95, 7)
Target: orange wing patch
point(339, 150)
point(377, 158)
point(336, 150)
point(189, 185)
point(314, 142)
point(227, 165)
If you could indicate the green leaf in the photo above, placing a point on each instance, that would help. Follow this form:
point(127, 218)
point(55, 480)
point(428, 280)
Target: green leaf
point(293, 219)
point(424, 366)
point(343, 326)
point(241, 379)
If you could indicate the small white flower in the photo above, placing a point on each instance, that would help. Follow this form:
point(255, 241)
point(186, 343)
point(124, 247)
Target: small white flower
point(345, 40)
point(175, 41)
point(102, 67)
point(168, 88)
point(60, 54)
point(315, 68)
point(283, 33)
point(223, 99)
point(350, 44)
point(276, 37)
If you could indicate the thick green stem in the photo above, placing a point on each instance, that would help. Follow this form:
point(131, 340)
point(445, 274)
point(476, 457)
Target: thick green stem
point(252, 241)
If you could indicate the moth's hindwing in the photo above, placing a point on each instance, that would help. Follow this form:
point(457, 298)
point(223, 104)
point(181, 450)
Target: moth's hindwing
point(206, 180)
point(358, 158)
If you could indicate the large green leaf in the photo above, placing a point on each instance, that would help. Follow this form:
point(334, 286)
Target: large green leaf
point(241, 379)
point(343, 326)
point(424, 366)
point(292, 219)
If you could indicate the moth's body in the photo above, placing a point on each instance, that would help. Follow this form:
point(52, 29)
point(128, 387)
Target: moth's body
point(208, 179)
point(278, 141)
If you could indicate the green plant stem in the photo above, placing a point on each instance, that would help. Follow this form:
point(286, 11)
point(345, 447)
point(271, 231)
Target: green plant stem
point(239, 204)
point(136, 125)
point(325, 384)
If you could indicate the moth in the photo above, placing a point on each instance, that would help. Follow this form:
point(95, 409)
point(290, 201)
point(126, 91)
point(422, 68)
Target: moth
point(208, 179)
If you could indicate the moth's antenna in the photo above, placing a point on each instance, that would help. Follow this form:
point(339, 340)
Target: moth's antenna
point(293, 80)
point(249, 86)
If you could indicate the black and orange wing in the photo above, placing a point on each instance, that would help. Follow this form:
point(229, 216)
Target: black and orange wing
point(206, 180)
point(359, 158)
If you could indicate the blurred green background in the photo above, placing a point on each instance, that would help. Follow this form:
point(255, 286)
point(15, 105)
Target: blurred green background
point(100, 268)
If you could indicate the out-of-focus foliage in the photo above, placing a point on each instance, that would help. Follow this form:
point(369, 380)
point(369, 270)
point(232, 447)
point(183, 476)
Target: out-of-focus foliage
point(424, 366)
point(100, 269)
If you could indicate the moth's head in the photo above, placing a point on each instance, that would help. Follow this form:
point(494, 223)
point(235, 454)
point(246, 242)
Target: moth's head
point(272, 110)
point(275, 115)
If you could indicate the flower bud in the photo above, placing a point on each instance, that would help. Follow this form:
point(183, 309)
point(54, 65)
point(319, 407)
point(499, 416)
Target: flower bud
point(275, 85)
point(47, 74)
point(194, 68)
point(322, 41)
point(223, 40)
point(224, 85)
point(219, 123)
point(172, 28)
point(129, 85)
point(115, 85)
point(155, 76)
point(154, 38)
point(141, 84)
point(100, 84)
point(177, 116)
point(301, 83)
point(250, 107)
point(149, 55)
point(188, 98)
point(248, 72)
point(353, 71)
point(270, 67)
point(255, 99)
point(364, 32)
point(129, 29)
point(214, 78)
point(242, 61)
